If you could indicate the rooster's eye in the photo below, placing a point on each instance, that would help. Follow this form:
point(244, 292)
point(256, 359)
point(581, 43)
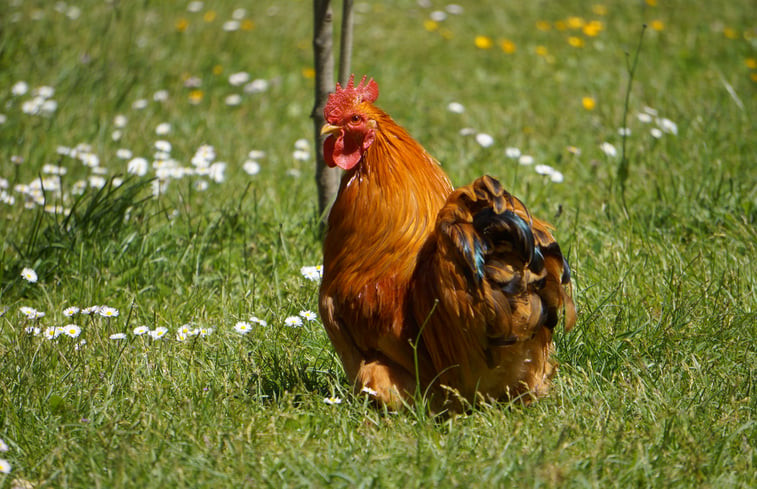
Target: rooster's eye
point(355, 118)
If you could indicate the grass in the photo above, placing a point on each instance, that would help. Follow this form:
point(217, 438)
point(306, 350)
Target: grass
point(656, 385)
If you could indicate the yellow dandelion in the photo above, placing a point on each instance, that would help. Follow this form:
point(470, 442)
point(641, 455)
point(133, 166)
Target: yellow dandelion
point(657, 25)
point(217, 69)
point(446, 34)
point(507, 46)
point(588, 103)
point(753, 77)
point(182, 24)
point(593, 28)
point(751, 63)
point(652, 3)
point(730, 33)
point(575, 22)
point(542, 51)
point(576, 41)
point(484, 42)
point(430, 25)
point(247, 25)
point(308, 73)
point(195, 96)
point(599, 9)
point(209, 16)
point(560, 25)
point(543, 25)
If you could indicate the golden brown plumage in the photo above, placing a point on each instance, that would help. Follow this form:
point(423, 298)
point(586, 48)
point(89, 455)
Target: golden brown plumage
point(468, 272)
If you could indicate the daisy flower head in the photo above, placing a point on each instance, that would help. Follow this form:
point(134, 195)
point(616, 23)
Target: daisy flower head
point(368, 390)
point(313, 273)
point(80, 344)
point(3, 446)
point(331, 401)
point(72, 330)
point(456, 107)
point(140, 330)
point(512, 152)
point(163, 146)
point(256, 154)
point(485, 140)
point(293, 321)
point(88, 311)
point(108, 312)
point(70, 311)
point(233, 100)
point(237, 79)
point(5, 467)
point(242, 327)
point(118, 336)
point(203, 332)
point(308, 315)
point(259, 321)
point(251, 167)
point(668, 126)
point(655, 132)
point(526, 160)
point(29, 275)
point(158, 333)
point(256, 86)
point(608, 149)
point(50, 333)
point(29, 312)
point(163, 128)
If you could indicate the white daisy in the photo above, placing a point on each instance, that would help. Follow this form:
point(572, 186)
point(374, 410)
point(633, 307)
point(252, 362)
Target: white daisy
point(203, 332)
point(251, 167)
point(256, 86)
point(20, 88)
point(120, 120)
point(608, 149)
point(108, 312)
point(256, 154)
point(90, 310)
point(158, 333)
point(454, 9)
point(29, 275)
point(5, 467)
point(30, 312)
point(656, 133)
point(139, 104)
point(293, 321)
point(238, 14)
point(163, 128)
point(512, 152)
point(668, 126)
point(259, 321)
point(118, 336)
point(543, 169)
point(233, 100)
point(80, 344)
point(242, 327)
point(163, 146)
point(313, 273)
point(230, 26)
point(195, 6)
point(300, 155)
point(438, 16)
point(50, 333)
point(485, 140)
point(3, 118)
point(332, 400)
point(123, 154)
point(526, 160)
point(140, 330)
point(72, 330)
point(3, 446)
point(216, 171)
point(368, 390)
point(467, 131)
point(160, 96)
point(624, 131)
point(32, 330)
point(644, 117)
point(308, 315)
point(116, 135)
point(201, 185)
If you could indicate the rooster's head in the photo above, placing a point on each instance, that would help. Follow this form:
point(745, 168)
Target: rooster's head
point(349, 127)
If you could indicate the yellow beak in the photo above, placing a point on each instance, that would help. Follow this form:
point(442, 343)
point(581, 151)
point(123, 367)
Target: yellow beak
point(329, 129)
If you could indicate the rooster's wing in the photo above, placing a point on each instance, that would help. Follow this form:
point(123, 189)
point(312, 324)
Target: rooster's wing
point(490, 284)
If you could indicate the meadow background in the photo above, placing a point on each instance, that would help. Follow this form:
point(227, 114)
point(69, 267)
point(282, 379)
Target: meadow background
point(156, 173)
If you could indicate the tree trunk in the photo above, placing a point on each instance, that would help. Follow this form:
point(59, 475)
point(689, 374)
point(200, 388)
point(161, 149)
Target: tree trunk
point(327, 179)
point(345, 48)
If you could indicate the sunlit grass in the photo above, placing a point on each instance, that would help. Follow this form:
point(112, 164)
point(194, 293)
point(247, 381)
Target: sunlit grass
point(209, 370)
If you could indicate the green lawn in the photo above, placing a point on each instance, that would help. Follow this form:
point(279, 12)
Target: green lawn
point(128, 183)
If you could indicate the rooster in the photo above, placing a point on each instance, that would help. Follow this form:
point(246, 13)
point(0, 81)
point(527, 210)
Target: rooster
point(426, 289)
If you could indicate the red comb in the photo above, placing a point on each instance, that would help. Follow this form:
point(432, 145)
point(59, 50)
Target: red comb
point(351, 95)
